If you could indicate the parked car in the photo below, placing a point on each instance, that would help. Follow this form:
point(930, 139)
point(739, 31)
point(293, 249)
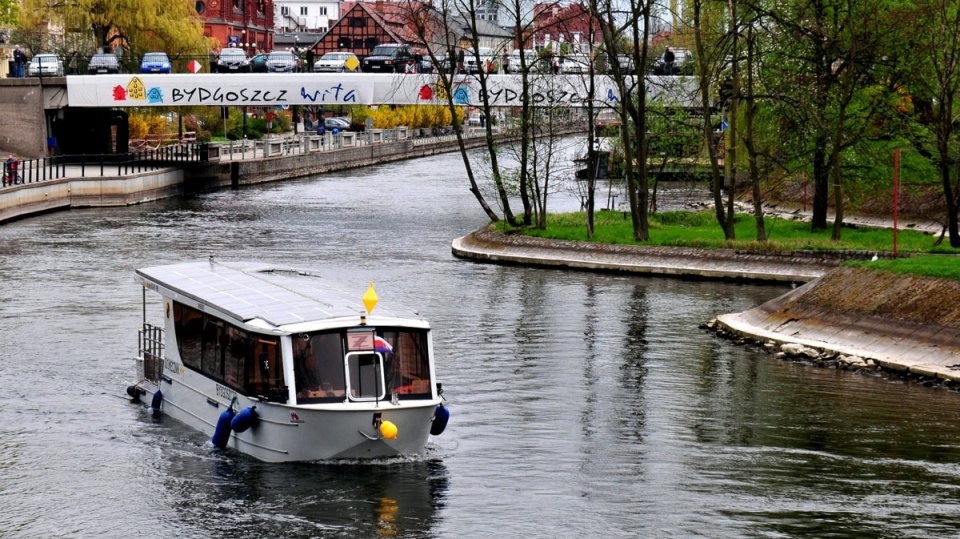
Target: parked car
point(103, 63)
point(282, 62)
point(233, 60)
point(258, 64)
point(388, 58)
point(575, 63)
point(470, 61)
point(45, 65)
point(337, 62)
point(342, 124)
point(155, 62)
point(530, 58)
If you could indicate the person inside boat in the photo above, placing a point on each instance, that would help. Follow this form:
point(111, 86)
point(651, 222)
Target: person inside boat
point(308, 377)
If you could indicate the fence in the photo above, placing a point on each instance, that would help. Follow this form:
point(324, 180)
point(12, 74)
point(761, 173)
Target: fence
point(84, 165)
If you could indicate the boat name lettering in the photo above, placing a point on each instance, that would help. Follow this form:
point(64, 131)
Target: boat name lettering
point(172, 366)
point(226, 392)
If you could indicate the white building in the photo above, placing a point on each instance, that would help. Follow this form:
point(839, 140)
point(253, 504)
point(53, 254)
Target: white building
point(311, 16)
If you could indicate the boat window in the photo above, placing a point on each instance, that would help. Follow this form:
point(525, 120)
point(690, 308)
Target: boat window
point(234, 356)
point(366, 381)
point(318, 365)
point(246, 361)
point(265, 372)
point(188, 325)
point(408, 366)
point(378, 362)
point(211, 360)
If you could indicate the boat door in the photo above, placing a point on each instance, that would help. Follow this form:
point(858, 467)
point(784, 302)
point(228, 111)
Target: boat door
point(365, 380)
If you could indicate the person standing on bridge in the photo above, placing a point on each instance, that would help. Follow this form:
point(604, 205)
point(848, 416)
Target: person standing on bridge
point(72, 66)
point(19, 60)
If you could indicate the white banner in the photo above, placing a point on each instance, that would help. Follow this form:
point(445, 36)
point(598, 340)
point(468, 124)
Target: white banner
point(277, 89)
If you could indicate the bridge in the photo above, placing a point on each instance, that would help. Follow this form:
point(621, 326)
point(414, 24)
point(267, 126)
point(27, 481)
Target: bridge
point(83, 113)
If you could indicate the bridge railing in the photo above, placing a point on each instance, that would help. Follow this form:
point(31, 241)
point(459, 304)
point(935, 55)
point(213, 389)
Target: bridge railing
point(99, 165)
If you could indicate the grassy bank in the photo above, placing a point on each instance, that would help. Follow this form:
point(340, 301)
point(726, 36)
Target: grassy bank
point(944, 267)
point(688, 229)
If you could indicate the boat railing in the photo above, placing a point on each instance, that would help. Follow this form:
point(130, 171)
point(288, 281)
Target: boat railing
point(151, 351)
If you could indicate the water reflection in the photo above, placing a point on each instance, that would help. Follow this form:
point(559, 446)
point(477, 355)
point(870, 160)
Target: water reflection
point(230, 495)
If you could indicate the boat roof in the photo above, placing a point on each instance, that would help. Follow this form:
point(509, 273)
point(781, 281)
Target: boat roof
point(247, 290)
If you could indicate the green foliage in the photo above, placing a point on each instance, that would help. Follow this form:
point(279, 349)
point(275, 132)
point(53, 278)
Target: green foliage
point(700, 230)
point(944, 267)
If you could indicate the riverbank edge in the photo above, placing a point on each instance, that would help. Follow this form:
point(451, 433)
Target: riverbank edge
point(488, 245)
point(860, 341)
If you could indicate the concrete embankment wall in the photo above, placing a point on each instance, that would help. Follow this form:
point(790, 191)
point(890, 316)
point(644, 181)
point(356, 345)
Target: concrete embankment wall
point(726, 264)
point(900, 322)
point(64, 193)
point(120, 190)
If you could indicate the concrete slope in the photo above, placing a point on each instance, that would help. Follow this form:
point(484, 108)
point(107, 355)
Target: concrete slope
point(901, 322)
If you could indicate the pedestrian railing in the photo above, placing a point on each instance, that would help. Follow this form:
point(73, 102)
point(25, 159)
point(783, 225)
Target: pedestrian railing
point(195, 153)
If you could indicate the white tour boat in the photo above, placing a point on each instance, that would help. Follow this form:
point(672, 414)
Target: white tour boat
point(279, 364)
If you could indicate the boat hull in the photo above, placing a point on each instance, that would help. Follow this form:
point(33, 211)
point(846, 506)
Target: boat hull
point(285, 433)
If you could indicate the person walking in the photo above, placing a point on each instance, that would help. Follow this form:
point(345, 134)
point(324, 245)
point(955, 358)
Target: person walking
point(72, 66)
point(460, 68)
point(19, 60)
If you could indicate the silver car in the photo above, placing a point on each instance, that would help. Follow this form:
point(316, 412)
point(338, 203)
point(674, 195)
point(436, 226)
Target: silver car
point(45, 65)
point(282, 62)
point(337, 62)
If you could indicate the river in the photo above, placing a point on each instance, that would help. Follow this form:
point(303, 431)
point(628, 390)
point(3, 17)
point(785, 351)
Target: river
point(581, 404)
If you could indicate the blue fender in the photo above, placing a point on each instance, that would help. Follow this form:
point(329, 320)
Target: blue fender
point(221, 435)
point(245, 419)
point(440, 418)
point(156, 402)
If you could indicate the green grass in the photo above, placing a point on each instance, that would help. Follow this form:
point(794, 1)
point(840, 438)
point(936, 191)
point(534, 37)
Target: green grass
point(930, 266)
point(700, 229)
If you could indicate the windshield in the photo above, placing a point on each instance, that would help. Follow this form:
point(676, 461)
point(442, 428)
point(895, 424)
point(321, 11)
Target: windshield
point(365, 365)
point(155, 57)
point(226, 53)
point(384, 50)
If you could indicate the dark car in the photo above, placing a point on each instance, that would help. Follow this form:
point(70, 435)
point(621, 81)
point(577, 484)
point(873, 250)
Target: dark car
point(233, 60)
point(390, 58)
point(103, 63)
point(258, 64)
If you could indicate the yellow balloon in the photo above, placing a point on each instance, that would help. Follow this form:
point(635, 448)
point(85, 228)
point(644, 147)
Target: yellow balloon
point(388, 430)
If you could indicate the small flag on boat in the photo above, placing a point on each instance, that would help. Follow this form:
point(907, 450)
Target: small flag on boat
point(381, 345)
point(370, 298)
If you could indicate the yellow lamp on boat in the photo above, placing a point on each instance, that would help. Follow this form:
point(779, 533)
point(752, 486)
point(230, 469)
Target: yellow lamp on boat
point(388, 430)
point(370, 298)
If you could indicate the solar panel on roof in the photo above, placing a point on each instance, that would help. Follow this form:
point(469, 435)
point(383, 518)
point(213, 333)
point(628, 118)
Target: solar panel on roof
point(248, 290)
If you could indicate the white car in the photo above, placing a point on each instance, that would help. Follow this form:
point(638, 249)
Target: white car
point(45, 65)
point(470, 61)
point(337, 62)
point(530, 58)
point(576, 63)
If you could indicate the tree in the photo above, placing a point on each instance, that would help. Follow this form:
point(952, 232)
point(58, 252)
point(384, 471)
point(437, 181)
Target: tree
point(934, 85)
point(136, 25)
point(828, 66)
